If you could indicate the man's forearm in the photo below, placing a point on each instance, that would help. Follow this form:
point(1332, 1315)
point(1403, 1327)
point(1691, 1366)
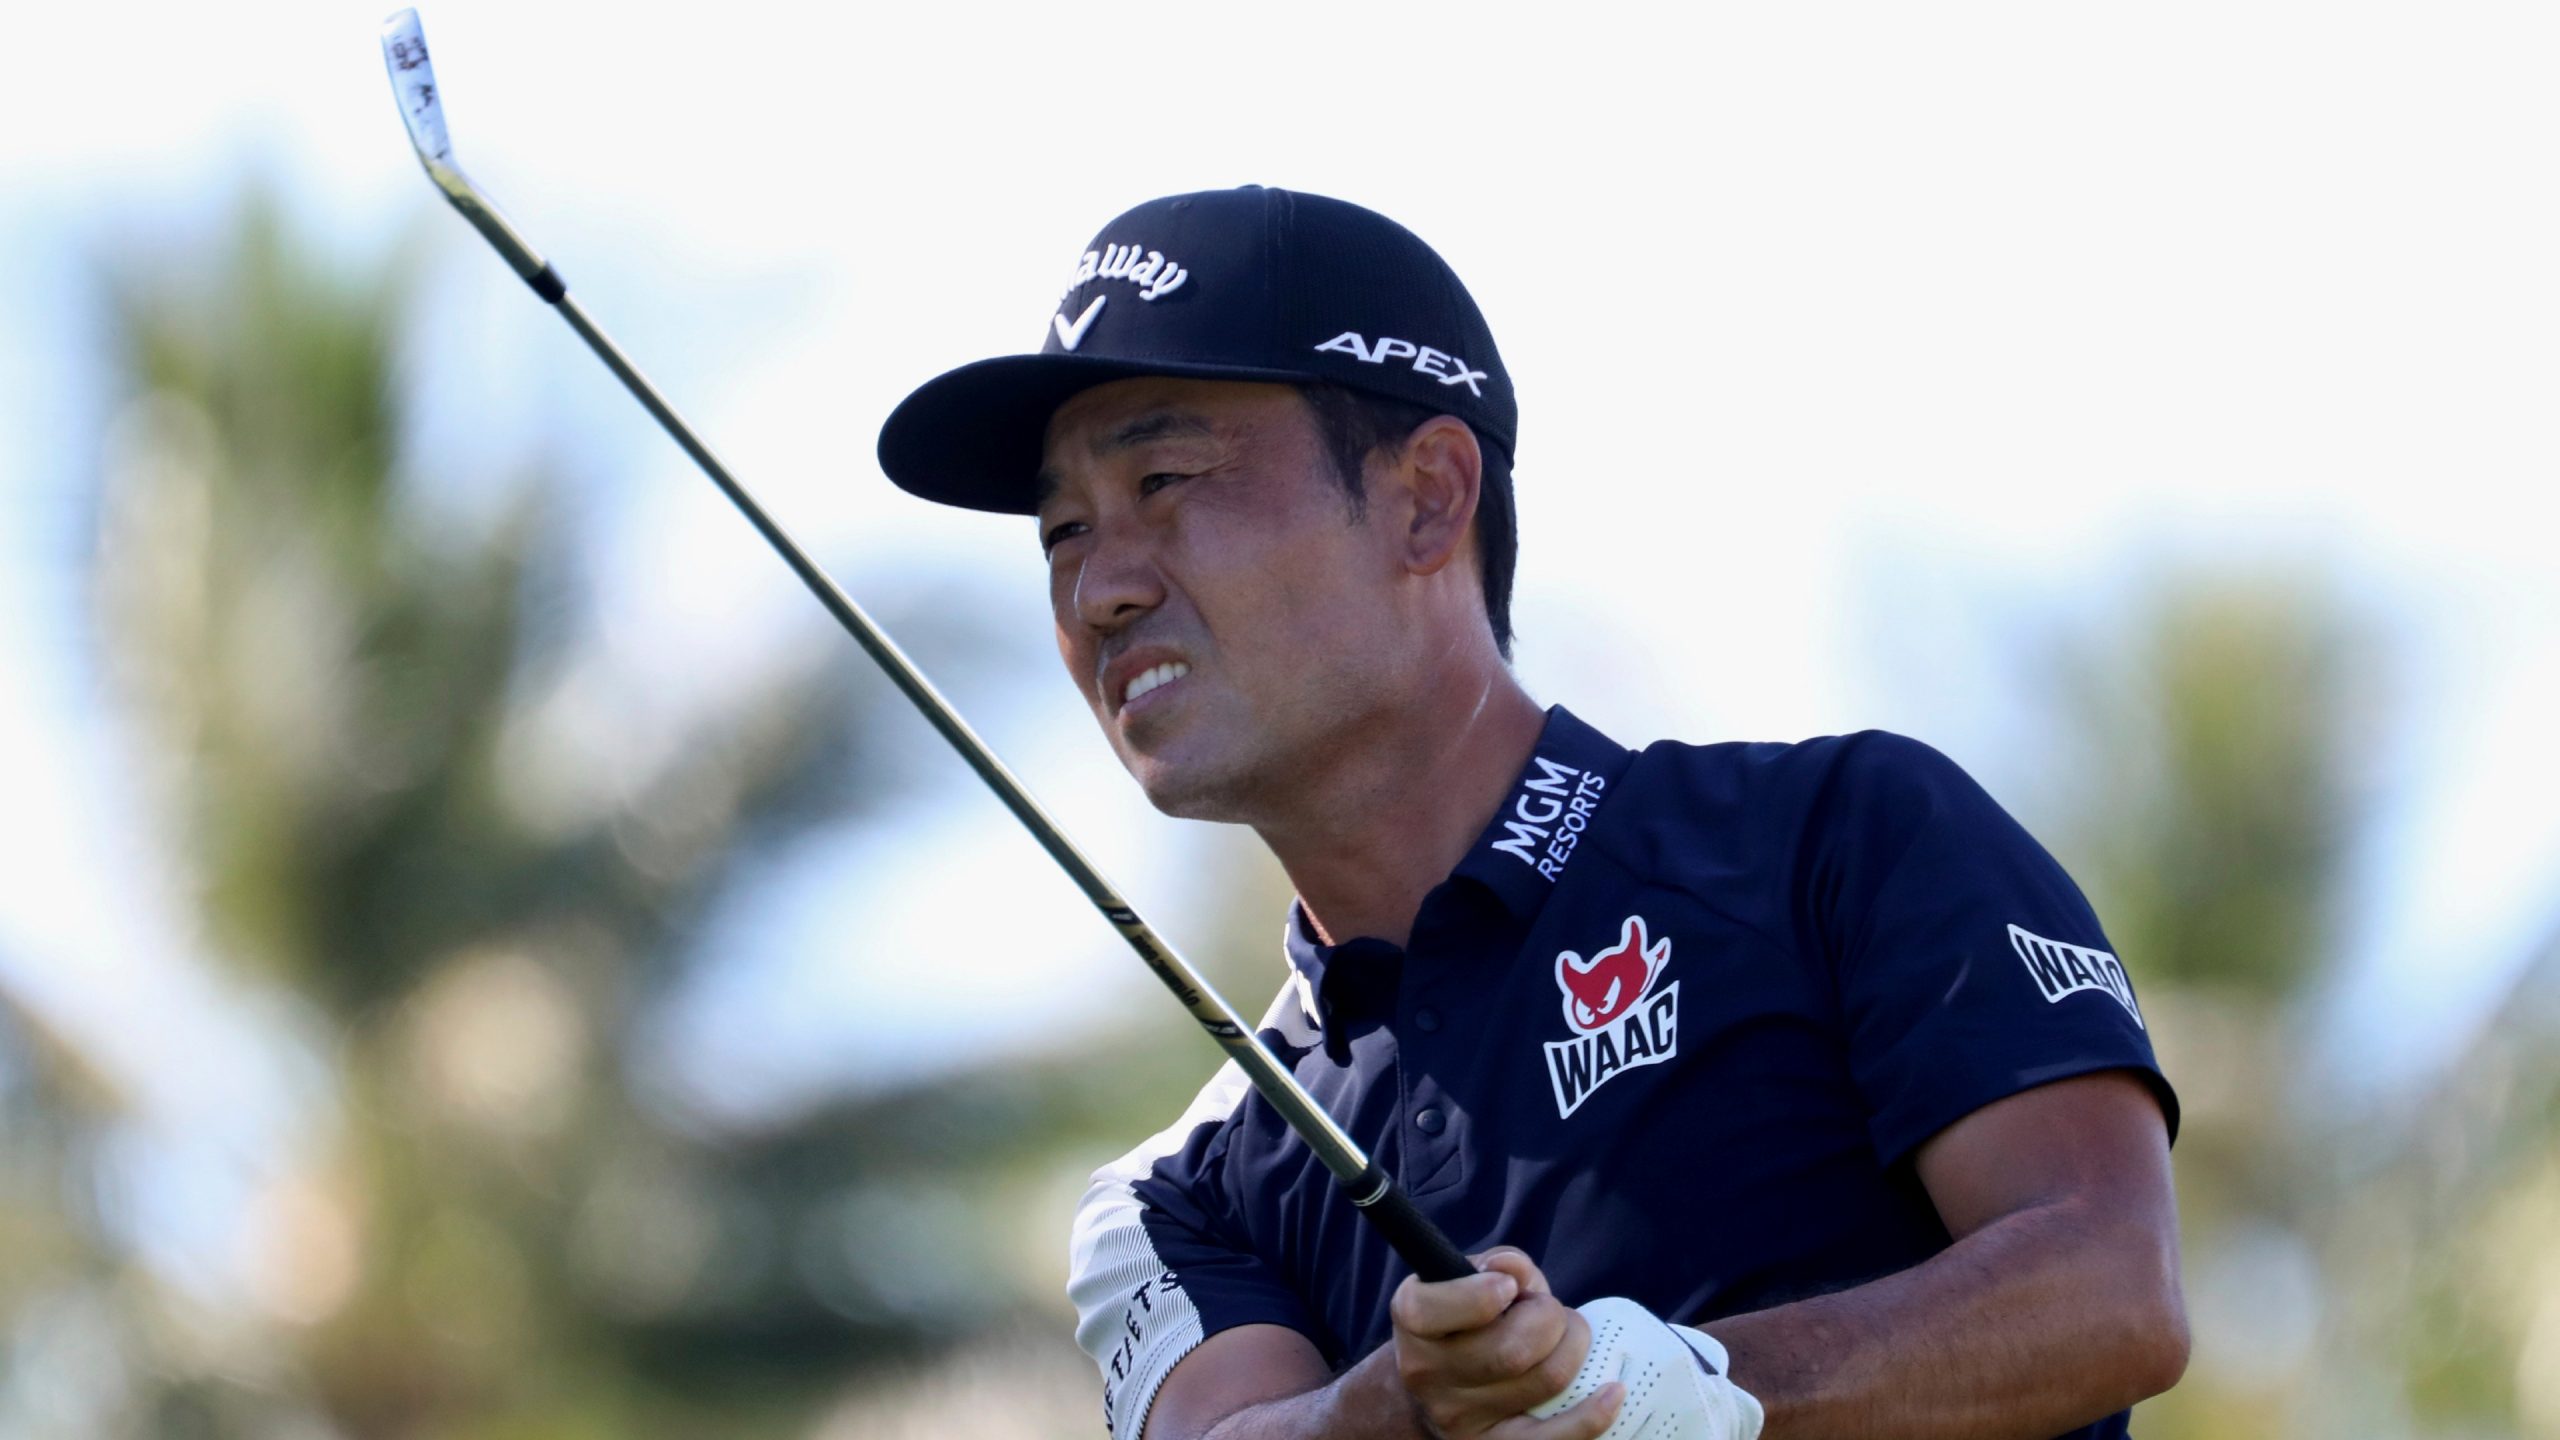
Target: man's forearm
point(1469, 1355)
point(2038, 1323)
point(1365, 1402)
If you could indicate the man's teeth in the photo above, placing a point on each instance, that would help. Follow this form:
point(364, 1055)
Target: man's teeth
point(1164, 674)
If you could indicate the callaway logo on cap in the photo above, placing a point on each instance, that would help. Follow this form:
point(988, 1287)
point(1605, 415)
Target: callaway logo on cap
point(1245, 284)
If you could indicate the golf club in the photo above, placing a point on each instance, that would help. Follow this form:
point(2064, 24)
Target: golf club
point(1429, 1252)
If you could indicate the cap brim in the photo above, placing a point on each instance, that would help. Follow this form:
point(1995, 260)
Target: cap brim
point(973, 437)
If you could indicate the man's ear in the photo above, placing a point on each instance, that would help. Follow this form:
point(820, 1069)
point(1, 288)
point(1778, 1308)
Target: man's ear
point(1442, 474)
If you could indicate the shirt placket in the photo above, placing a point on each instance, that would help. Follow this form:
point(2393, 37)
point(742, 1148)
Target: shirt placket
point(1449, 967)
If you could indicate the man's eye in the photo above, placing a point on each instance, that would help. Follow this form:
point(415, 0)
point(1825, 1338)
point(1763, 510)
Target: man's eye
point(1059, 534)
point(1159, 480)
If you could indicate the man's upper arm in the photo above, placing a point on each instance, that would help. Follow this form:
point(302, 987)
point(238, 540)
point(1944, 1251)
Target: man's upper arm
point(2086, 1161)
point(2093, 1144)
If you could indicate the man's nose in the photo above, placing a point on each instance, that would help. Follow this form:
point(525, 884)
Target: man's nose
point(1119, 580)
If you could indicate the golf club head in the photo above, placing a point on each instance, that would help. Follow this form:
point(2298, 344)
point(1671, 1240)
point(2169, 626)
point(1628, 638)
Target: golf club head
point(413, 84)
point(413, 80)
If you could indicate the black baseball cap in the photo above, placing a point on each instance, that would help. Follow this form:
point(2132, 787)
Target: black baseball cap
point(1244, 284)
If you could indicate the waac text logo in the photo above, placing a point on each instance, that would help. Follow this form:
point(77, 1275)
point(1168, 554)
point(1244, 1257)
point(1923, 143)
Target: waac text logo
point(1620, 1020)
point(2062, 970)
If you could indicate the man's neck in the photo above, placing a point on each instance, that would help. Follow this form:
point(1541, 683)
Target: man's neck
point(1378, 829)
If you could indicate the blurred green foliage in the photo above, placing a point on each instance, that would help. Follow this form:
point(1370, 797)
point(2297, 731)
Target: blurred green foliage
point(2218, 735)
point(2217, 738)
point(337, 708)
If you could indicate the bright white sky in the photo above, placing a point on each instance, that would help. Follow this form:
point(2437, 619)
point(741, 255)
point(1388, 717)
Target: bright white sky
point(1844, 335)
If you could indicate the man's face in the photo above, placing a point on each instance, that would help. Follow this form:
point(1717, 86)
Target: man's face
point(1224, 615)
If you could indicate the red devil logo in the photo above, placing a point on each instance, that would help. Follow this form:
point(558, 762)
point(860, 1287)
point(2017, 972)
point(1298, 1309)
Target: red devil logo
point(1608, 985)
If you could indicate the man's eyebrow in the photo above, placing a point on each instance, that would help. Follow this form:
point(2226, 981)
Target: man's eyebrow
point(1154, 425)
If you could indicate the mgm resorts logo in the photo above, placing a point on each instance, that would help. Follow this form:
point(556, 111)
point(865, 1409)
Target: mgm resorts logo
point(1619, 1019)
point(1548, 816)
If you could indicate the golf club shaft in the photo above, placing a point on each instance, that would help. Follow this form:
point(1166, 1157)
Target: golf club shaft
point(1420, 1242)
point(413, 85)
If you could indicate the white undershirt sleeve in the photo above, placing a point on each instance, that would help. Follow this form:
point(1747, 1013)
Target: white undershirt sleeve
point(1132, 1316)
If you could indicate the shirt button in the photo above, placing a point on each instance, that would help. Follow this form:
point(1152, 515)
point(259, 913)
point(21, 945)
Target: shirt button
point(1426, 1020)
point(1430, 1122)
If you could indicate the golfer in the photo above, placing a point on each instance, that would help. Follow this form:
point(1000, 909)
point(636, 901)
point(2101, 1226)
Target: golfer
point(1800, 1065)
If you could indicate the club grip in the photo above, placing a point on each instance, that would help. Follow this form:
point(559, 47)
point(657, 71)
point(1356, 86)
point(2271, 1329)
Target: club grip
point(1408, 1229)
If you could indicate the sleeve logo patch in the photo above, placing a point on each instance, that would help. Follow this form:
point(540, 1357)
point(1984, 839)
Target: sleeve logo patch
point(1134, 1326)
point(2061, 970)
point(1619, 1019)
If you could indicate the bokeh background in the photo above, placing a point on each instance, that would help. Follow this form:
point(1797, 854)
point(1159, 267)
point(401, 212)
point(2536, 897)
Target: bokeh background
point(480, 959)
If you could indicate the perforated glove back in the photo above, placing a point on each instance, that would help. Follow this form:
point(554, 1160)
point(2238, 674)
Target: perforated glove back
point(1675, 1378)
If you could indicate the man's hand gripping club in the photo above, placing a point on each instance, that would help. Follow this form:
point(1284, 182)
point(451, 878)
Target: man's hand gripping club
point(1476, 1354)
point(1497, 1355)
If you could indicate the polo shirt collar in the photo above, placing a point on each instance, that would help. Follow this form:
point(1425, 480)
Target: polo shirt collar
point(1517, 858)
point(1543, 818)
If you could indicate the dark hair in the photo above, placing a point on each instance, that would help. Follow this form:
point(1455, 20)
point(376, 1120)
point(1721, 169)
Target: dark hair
point(1356, 425)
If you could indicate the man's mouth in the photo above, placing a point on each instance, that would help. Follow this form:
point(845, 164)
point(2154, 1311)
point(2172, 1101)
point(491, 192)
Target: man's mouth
point(1155, 677)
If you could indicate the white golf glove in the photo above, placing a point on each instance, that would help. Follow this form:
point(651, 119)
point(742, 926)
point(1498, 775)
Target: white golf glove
point(1675, 1378)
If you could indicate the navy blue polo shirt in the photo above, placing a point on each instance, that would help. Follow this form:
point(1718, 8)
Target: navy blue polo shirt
point(1675, 1027)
